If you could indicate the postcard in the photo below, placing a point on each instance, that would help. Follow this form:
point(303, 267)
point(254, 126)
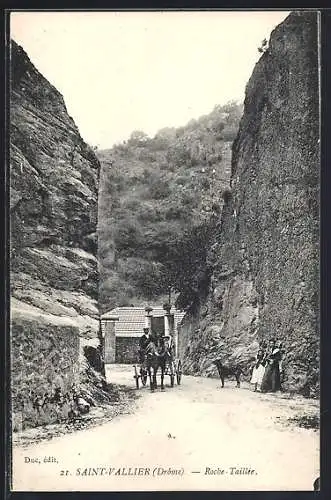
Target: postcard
point(164, 250)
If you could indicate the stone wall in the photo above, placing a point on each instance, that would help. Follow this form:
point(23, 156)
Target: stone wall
point(44, 356)
point(126, 350)
point(109, 342)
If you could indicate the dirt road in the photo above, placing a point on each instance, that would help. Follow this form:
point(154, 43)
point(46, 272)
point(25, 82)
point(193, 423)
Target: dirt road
point(196, 436)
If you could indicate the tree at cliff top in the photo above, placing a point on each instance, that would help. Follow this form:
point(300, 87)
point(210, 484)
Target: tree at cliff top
point(156, 196)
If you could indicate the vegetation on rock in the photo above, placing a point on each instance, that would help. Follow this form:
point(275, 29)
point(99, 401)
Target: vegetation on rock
point(157, 205)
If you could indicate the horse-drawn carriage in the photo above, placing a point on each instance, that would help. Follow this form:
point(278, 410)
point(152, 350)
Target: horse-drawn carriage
point(159, 354)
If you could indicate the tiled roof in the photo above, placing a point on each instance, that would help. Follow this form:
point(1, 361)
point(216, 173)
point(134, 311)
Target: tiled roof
point(132, 319)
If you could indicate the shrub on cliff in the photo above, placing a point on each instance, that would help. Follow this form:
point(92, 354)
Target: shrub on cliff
point(152, 195)
point(187, 265)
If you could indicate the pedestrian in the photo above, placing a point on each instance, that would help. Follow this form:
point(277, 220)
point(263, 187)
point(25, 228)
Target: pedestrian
point(281, 369)
point(258, 370)
point(271, 378)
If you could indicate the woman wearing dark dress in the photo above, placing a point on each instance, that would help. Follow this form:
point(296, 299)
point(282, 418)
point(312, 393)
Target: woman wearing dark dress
point(275, 358)
point(271, 379)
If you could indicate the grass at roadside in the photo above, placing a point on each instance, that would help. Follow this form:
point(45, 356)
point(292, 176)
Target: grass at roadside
point(308, 421)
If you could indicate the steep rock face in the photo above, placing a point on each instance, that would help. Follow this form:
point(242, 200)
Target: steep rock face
point(53, 207)
point(265, 256)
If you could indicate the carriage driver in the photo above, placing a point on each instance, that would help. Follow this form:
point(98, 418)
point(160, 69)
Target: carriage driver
point(143, 343)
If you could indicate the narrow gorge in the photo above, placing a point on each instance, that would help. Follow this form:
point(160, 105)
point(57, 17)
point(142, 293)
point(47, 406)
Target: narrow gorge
point(233, 240)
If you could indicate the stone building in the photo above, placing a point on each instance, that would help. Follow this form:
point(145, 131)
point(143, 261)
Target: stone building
point(122, 327)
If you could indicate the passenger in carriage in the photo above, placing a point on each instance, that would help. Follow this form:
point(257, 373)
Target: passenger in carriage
point(169, 345)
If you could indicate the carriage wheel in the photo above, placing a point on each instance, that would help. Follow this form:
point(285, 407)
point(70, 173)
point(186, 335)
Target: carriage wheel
point(136, 376)
point(179, 372)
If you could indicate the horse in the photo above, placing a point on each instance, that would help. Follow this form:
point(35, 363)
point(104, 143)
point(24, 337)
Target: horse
point(156, 357)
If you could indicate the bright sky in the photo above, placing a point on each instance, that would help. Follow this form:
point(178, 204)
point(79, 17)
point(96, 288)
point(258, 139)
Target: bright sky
point(125, 71)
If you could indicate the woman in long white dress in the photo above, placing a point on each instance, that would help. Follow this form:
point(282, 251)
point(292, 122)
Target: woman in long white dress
point(258, 370)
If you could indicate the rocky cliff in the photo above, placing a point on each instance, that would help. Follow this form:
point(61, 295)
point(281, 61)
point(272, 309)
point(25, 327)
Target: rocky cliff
point(265, 255)
point(53, 208)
